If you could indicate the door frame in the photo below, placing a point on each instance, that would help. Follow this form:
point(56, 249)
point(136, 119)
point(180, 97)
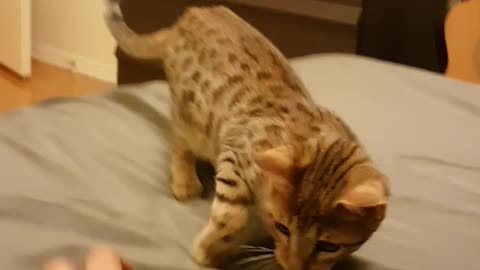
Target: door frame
point(25, 68)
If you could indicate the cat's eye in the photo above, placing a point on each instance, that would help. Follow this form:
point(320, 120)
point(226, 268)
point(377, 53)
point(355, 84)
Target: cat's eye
point(282, 228)
point(325, 246)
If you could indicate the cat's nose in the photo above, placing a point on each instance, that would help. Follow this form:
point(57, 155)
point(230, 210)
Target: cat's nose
point(305, 248)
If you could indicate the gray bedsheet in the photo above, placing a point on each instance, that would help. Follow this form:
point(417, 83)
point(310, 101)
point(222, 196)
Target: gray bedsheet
point(82, 172)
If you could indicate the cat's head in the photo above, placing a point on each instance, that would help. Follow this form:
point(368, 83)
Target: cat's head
point(321, 202)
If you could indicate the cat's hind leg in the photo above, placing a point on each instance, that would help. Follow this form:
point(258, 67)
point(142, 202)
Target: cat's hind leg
point(185, 184)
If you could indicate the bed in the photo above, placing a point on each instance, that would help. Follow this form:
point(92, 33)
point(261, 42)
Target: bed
point(82, 172)
point(93, 171)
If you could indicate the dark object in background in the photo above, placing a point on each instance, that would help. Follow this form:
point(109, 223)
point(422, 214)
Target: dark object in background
point(294, 35)
point(408, 32)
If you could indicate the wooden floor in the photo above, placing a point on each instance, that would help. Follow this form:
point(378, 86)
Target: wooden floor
point(46, 82)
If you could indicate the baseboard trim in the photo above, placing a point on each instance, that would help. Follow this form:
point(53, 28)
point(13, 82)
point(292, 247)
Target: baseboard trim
point(73, 62)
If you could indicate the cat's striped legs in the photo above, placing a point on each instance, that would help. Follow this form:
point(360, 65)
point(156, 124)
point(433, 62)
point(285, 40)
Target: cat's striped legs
point(185, 183)
point(218, 237)
point(228, 216)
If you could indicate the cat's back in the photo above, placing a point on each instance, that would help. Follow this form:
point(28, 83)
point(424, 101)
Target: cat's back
point(216, 33)
point(217, 41)
point(219, 27)
point(214, 50)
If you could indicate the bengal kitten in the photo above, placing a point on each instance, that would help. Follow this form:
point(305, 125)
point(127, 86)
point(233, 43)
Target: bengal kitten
point(237, 103)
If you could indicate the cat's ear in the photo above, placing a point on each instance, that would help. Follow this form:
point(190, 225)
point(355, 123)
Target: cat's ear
point(364, 197)
point(279, 160)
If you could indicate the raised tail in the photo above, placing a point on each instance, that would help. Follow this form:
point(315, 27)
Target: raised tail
point(141, 46)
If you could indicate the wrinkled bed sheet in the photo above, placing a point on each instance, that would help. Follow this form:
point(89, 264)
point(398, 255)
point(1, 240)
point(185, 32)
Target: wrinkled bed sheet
point(75, 173)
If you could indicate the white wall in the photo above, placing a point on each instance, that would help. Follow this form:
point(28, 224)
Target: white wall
point(72, 34)
point(15, 30)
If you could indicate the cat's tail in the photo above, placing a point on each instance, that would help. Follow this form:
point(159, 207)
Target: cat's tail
point(141, 46)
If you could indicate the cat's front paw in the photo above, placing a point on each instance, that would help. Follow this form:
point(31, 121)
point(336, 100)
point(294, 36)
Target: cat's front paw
point(200, 255)
point(186, 190)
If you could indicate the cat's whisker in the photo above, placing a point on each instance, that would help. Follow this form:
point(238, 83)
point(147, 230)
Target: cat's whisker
point(256, 250)
point(255, 259)
point(270, 263)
